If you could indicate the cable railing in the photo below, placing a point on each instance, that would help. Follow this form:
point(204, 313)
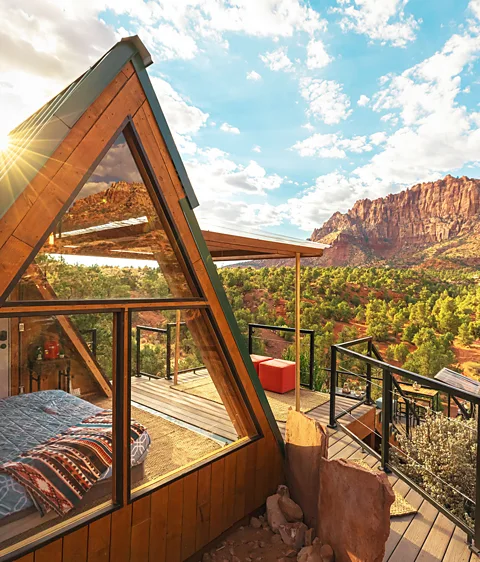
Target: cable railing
point(406, 403)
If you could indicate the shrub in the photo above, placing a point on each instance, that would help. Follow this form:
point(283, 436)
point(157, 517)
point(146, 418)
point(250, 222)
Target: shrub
point(440, 456)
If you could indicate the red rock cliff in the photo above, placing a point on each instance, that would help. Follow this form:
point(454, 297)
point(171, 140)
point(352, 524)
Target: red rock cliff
point(397, 226)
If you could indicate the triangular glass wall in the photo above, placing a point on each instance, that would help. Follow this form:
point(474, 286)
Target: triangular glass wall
point(113, 242)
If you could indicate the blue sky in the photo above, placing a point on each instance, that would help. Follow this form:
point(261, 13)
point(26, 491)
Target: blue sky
point(284, 111)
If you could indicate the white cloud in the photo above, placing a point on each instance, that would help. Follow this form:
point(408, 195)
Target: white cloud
point(317, 56)
point(183, 117)
point(363, 100)
point(252, 75)
point(278, 60)
point(378, 138)
point(474, 6)
point(380, 20)
point(326, 101)
point(331, 193)
point(238, 215)
point(308, 126)
point(257, 148)
point(331, 145)
point(437, 135)
point(226, 128)
point(44, 46)
point(215, 174)
point(179, 29)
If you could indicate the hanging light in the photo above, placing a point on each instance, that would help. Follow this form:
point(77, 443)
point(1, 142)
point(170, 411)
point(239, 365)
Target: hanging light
point(51, 239)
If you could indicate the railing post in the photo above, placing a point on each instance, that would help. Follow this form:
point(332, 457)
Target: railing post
point(250, 346)
point(333, 386)
point(169, 344)
point(407, 414)
point(368, 390)
point(94, 342)
point(386, 418)
point(312, 360)
point(477, 496)
point(137, 352)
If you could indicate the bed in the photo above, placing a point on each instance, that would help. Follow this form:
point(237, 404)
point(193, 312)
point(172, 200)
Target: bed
point(28, 420)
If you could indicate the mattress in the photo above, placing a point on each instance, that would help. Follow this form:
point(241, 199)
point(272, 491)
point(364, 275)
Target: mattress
point(27, 420)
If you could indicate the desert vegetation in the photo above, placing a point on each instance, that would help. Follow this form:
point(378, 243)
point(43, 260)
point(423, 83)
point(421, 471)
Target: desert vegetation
point(420, 319)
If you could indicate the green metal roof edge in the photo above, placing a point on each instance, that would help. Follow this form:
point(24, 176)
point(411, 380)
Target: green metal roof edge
point(165, 130)
point(78, 99)
point(227, 309)
point(86, 90)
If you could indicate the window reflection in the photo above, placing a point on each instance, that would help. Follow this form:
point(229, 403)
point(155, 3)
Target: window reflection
point(113, 242)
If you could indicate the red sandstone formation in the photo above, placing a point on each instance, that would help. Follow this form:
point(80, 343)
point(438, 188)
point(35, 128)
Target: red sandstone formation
point(435, 220)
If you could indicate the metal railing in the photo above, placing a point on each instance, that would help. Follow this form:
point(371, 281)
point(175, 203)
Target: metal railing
point(395, 392)
point(168, 367)
point(309, 333)
point(92, 342)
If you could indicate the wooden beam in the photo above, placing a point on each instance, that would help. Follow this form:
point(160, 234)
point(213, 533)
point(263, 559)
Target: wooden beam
point(297, 332)
point(35, 274)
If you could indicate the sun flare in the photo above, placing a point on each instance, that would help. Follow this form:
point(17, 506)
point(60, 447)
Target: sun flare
point(4, 142)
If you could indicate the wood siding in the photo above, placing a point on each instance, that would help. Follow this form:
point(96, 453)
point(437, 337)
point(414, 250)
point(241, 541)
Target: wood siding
point(177, 520)
point(183, 516)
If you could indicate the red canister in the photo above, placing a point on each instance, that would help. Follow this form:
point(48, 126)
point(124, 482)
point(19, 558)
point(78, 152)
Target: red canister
point(51, 349)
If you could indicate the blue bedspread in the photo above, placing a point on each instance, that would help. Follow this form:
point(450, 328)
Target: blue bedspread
point(30, 419)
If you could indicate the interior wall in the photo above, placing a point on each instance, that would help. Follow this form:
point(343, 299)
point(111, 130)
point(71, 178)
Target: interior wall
point(24, 344)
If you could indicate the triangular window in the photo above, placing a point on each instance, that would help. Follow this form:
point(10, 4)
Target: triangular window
point(113, 242)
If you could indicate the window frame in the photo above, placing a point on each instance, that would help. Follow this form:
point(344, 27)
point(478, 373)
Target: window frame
point(122, 493)
point(122, 310)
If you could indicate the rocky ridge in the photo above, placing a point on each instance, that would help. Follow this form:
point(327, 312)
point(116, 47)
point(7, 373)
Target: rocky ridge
point(428, 222)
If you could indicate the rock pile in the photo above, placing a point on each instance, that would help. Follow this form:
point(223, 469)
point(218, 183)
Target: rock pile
point(280, 535)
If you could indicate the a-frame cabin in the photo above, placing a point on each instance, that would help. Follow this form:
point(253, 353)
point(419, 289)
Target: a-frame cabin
point(95, 173)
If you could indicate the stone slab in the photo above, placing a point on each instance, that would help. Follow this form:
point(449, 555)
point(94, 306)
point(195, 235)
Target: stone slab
point(354, 511)
point(306, 443)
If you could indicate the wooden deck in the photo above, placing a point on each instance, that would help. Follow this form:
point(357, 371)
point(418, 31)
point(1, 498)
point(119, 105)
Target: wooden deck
point(427, 536)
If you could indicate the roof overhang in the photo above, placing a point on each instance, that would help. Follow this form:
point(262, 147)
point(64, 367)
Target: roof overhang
point(126, 239)
point(232, 247)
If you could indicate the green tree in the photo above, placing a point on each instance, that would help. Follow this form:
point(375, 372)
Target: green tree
point(447, 318)
point(401, 352)
point(377, 320)
point(431, 355)
point(465, 334)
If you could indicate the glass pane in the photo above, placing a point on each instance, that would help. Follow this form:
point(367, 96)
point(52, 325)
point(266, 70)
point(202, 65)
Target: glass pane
point(55, 392)
point(113, 242)
point(182, 391)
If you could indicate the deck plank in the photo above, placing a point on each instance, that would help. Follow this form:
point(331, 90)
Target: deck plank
point(426, 536)
point(458, 549)
point(412, 540)
point(437, 541)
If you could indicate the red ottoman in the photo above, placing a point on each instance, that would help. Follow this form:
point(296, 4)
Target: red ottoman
point(257, 359)
point(277, 375)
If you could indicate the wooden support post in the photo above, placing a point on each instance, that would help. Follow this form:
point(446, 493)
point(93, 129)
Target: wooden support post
point(177, 348)
point(297, 332)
